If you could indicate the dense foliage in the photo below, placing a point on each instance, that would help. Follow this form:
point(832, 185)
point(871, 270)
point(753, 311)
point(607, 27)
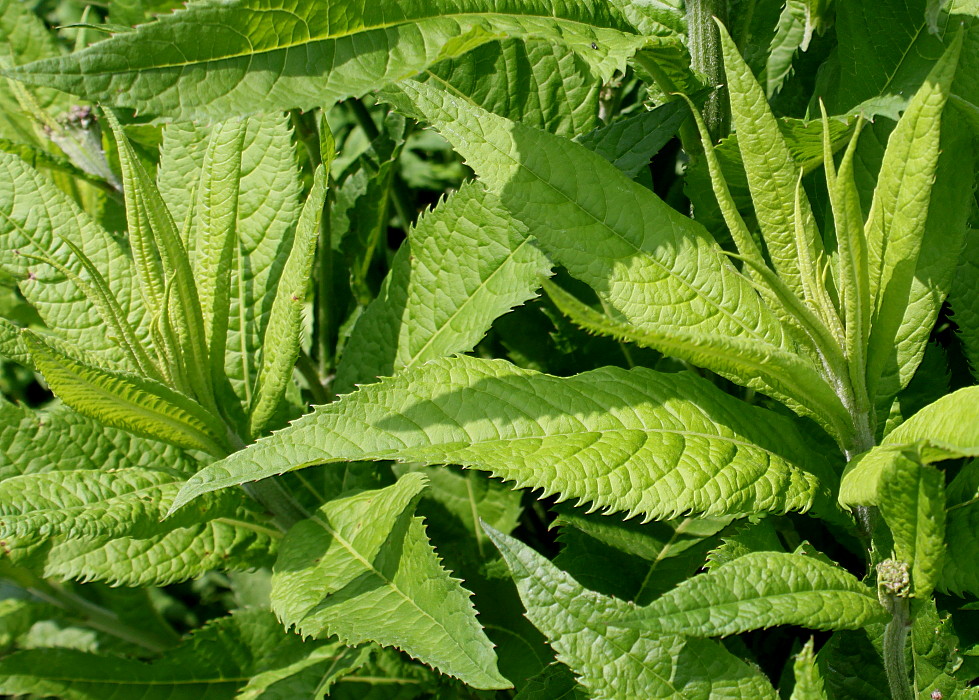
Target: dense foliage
point(489, 348)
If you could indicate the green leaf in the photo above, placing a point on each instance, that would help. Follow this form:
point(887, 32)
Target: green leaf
point(465, 263)
point(912, 503)
point(787, 225)
point(308, 671)
point(540, 83)
point(659, 272)
point(792, 33)
point(630, 143)
point(962, 526)
point(615, 662)
point(896, 223)
point(935, 653)
point(267, 211)
point(808, 681)
point(215, 220)
point(161, 261)
point(211, 61)
point(362, 569)
point(637, 441)
point(281, 344)
point(127, 401)
point(213, 662)
point(556, 682)
point(759, 590)
point(36, 218)
point(851, 665)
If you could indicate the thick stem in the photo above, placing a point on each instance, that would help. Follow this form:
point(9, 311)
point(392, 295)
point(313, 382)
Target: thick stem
point(286, 511)
point(705, 58)
point(895, 641)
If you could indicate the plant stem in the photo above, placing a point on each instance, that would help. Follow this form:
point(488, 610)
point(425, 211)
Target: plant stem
point(895, 640)
point(286, 511)
point(306, 368)
point(705, 58)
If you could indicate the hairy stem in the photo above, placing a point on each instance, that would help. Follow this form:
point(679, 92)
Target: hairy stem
point(705, 58)
point(895, 640)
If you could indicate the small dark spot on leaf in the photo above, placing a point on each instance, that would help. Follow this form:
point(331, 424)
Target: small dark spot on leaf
point(295, 298)
point(594, 46)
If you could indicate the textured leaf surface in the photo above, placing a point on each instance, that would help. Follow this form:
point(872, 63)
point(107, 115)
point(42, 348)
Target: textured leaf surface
point(213, 663)
point(249, 56)
point(34, 215)
point(759, 590)
point(540, 83)
point(659, 272)
point(964, 299)
point(962, 525)
point(638, 441)
point(362, 569)
point(613, 662)
point(267, 210)
point(127, 401)
point(898, 215)
point(465, 263)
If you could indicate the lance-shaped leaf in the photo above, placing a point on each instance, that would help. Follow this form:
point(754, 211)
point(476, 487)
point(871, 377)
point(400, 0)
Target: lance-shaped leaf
point(267, 210)
point(896, 224)
point(759, 590)
point(362, 569)
point(612, 661)
point(788, 227)
point(657, 271)
point(36, 218)
point(808, 681)
point(465, 263)
point(637, 441)
point(213, 60)
point(161, 261)
point(127, 401)
point(281, 346)
point(215, 223)
point(214, 661)
point(964, 300)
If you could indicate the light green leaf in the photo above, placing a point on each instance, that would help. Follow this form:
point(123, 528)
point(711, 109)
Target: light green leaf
point(161, 260)
point(215, 221)
point(212, 61)
point(660, 273)
point(310, 675)
point(12, 345)
point(808, 681)
point(615, 662)
point(29, 438)
point(540, 83)
point(945, 429)
point(935, 654)
point(465, 263)
point(127, 401)
point(212, 662)
point(281, 344)
point(912, 502)
point(788, 228)
point(362, 569)
point(896, 223)
point(36, 218)
point(759, 590)
point(962, 526)
point(267, 211)
point(792, 33)
point(24, 38)
point(637, 441)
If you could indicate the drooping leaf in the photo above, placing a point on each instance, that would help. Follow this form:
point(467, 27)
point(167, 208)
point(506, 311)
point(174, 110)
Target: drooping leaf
point(791, 35)
point(282, 335)
point(615, 662)
point(362, 569)
point(465, 263)
point(896, 223)
point(637, 441)
point(691, 302)
point(127, 401)
point(211, 61)
point(759, 590)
